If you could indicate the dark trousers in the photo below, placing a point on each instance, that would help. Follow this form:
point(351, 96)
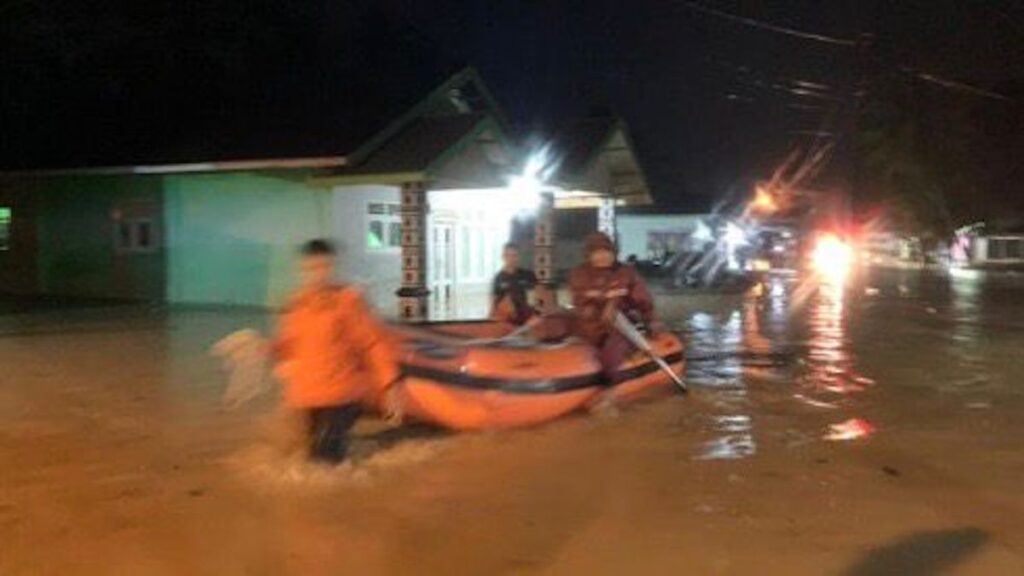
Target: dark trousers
point(613, 352)
point(328, 428)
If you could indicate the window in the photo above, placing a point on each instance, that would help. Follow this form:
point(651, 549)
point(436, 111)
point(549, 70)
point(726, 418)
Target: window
point(394, 233)
point(134, 236)
point(1013, 249)
point(996, 249)
point(375, 236)
point(5, 228)
point(383, 226)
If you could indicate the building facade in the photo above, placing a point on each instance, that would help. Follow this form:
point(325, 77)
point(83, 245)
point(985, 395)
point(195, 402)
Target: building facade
point(420, 210)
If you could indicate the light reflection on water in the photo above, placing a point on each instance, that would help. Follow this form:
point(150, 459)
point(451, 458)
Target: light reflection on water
point(966, 304)
point(829, 363)
point(782, 334)
point(831, 375)
point(721, 341)
point(967, 342)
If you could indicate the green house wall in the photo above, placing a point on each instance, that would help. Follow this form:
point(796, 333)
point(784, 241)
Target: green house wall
point(223, 238)
point(232, 237)
point(75, 237)
point(18, 263)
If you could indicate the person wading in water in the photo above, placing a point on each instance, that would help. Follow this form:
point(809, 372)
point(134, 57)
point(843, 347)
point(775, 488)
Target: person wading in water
point(331, 353)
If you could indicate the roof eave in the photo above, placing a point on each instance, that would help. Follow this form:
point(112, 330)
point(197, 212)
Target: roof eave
point(378, 178)
point(188, 168)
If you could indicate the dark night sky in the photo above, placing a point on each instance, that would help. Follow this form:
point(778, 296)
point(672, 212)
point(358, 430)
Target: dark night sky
point(695, 88)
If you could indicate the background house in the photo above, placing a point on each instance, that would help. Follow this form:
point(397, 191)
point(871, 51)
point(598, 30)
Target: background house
point(225, 231)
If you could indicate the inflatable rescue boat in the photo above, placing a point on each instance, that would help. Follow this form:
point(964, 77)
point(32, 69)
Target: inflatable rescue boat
point(472, 375)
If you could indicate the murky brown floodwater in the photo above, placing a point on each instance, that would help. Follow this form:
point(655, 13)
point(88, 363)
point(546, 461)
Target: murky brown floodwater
point(875, 430)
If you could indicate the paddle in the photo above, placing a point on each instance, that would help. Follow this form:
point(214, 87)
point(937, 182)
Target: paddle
point(626, 328)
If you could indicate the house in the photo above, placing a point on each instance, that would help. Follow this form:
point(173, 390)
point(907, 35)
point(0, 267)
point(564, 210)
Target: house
point(415, 188)
point(980, 246)
point(654, 237)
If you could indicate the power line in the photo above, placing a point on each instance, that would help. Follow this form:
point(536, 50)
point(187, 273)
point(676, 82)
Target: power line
point(769, 26)
point(924, 76)
point(954, 85)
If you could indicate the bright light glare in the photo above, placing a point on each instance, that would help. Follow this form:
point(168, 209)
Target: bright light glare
point(526, 189)
point(763, 202)
point(734, 235)
point(832, 258)
point(527, 186)
point(734, 238)
point(759, 265)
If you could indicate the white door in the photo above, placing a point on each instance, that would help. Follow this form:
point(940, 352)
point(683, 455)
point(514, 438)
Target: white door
point(442, 263)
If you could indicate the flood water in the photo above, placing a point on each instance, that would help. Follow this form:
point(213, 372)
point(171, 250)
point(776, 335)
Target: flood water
point(869, 429)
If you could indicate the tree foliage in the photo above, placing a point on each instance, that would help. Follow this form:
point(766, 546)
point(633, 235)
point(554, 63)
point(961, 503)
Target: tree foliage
point(932, 158)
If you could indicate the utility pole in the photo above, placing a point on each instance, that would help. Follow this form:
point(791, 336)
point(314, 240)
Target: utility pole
point(857, 92)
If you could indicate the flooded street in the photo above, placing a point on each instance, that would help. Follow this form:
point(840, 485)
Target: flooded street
point(868, 430)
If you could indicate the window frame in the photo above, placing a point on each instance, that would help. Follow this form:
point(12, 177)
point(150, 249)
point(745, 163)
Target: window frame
point(134, 246)
point(389, 215)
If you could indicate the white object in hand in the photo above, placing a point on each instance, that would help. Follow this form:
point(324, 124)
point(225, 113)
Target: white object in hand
point(244, 355)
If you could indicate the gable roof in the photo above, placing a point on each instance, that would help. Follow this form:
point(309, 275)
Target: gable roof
point(425, 150)
point(579, 143)
point(419, 144)
point(597, 154)
point(464, 93)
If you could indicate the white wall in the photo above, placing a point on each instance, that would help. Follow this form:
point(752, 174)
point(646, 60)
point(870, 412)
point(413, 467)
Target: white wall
point(476, 215)
point(379, 271)
point(633, 229)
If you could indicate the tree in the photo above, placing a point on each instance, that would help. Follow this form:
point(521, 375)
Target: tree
point(924, 155)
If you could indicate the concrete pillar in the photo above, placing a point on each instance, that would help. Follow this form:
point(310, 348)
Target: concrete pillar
point(412, 296)
point(543, 248)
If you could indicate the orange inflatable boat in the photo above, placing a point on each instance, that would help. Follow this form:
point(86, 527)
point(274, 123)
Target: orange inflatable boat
point(464, 376)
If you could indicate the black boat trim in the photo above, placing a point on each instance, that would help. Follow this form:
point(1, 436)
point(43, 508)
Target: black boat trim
point(532, 386)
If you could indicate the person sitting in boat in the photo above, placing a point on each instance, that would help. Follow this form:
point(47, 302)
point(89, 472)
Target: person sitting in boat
point(601, 287)
point(511, 288)
point(332, 353)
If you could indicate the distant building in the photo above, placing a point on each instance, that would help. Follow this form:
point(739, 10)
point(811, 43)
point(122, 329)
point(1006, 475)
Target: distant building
point(977, 247)
point(654, 237)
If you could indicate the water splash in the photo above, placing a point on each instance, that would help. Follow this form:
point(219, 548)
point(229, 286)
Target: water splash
point(268, 467)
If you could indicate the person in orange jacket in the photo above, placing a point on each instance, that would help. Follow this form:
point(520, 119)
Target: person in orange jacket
point(601, 287)
point(332, 353)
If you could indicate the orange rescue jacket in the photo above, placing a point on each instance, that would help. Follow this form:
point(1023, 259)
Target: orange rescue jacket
point(331, 349)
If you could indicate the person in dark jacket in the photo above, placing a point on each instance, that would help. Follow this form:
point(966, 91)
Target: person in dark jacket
point(601, 287)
